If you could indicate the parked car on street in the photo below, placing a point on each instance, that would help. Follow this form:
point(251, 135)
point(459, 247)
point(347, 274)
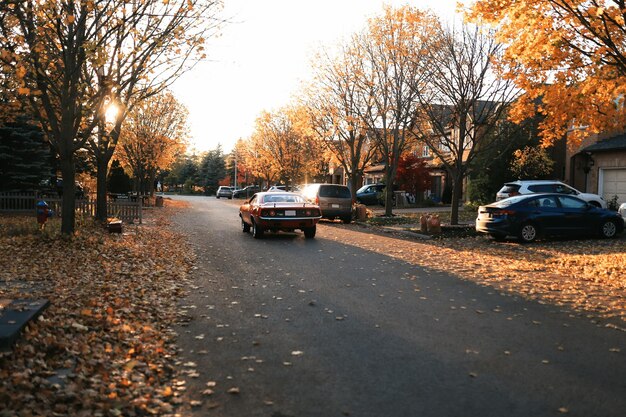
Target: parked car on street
point(246, 192)
point(276, 211)
point(335, 201)
point(371, 194)
point(513, 188)
point(533, 215)
point(224, 191)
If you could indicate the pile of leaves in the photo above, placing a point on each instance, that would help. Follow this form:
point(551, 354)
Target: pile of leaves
point(104, 347)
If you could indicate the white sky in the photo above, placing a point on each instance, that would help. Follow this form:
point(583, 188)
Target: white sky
point(260, 60)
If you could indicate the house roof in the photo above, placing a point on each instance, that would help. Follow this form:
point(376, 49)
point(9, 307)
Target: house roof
point(615, 143)
point(375, 168)
point(482, 111)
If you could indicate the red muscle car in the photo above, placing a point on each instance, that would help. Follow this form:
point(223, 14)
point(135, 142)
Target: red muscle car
point(274, 211)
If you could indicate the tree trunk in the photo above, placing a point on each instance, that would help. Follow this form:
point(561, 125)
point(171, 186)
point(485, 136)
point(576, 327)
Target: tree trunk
point(355, 180)
point(68, 210)
point(101, 188)
point(151, 181)
point(457, 192)
point(388, 193)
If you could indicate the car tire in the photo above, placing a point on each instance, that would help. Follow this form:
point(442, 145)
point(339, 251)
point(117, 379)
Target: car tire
point(309, 232)
point(608, 229)
point(346, 219)
point(528, 233)
point(245, 227)
point(257, 231)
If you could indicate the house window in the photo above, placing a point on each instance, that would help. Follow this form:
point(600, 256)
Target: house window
point(425, 152)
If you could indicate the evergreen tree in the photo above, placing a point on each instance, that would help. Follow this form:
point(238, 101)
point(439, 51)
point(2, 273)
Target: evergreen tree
point(25, 157)
point(212, 170)
point(118, 181)
point(183, 170)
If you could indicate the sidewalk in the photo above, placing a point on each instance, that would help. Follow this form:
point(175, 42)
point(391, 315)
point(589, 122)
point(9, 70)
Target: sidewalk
point(377, 210)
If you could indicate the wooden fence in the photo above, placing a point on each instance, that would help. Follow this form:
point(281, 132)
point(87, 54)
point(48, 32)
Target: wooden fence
point(127, 211)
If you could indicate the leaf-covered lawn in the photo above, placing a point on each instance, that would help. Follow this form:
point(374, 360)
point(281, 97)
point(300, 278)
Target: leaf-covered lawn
point(587, 276)
point(104, 346)
point(414, 218)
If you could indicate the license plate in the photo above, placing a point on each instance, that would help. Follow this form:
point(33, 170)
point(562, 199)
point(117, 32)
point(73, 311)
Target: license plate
point(335, 205)
point(290, 212)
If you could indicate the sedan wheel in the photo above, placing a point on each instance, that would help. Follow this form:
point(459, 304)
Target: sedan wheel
point(309, 232)
point(245, 227)
point(257, 232)
point(609, 229)
point(528, 233)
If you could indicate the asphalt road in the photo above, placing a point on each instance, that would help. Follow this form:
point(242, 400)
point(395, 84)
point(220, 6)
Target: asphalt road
point(319, 328)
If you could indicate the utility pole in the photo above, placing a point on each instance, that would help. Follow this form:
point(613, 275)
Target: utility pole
point(235, 169)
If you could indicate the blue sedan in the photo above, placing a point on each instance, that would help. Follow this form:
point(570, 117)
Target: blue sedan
point(532, 215)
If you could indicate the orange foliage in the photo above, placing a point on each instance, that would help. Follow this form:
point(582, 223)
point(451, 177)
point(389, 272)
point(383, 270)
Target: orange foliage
point(567, 53)
point(153, 136)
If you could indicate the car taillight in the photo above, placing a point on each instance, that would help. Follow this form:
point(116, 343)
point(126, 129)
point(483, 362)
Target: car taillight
point(317, 200)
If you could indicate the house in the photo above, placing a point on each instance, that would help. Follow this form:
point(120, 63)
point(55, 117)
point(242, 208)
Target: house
point(445, 147)
point(598, 166)
point(374, 174)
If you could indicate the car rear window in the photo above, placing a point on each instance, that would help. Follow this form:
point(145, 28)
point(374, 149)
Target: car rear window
point(541, 188)
point(335, 191)
point(508, 201)
point(509, 188)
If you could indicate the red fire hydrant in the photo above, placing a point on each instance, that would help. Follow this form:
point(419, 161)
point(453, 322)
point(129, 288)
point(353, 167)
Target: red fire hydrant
point(43, 212)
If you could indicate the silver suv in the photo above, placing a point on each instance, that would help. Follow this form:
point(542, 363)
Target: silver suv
point(514, 188)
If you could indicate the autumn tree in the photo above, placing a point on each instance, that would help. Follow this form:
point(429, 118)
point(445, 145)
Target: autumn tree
point(569, 57)
point(462, 110)
point(391, 70)
point(283, 144)
point(71, 59)
point(531, 162)
point(154, 135)
point(413, 175)
point(338, 107)
point(236, 167)
point(153, 44)
point(252, 165)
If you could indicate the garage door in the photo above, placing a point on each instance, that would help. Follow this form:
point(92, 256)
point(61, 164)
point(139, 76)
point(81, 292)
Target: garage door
point(613, 182)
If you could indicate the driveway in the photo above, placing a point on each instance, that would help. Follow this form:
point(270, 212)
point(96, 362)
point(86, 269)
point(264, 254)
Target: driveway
point(342, 325)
